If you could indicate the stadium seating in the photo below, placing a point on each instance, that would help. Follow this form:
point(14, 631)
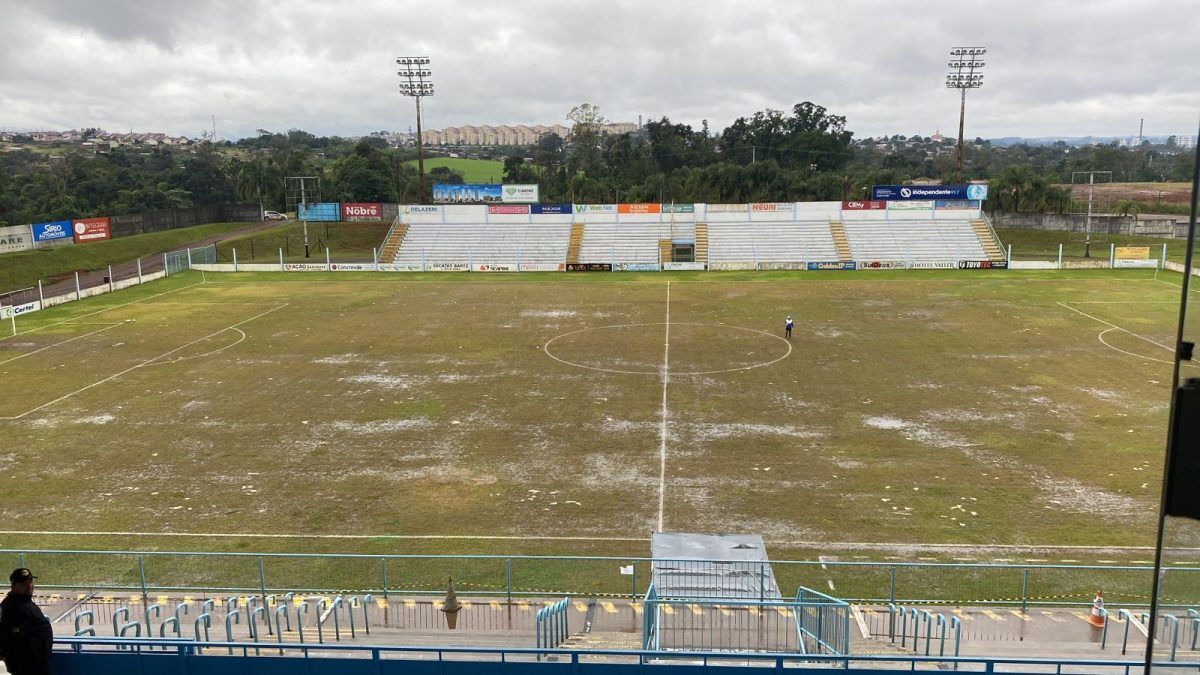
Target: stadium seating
point(480, 243)
point(629, 242)
point(913, 240)
point(782, 241)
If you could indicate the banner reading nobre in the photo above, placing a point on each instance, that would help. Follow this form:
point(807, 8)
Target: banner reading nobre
point(372, 211)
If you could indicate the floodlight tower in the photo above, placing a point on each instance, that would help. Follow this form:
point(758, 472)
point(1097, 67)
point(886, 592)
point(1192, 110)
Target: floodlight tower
point(414, 74)
point(962, 76)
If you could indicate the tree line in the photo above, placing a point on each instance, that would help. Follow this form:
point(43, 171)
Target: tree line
point(806, 153)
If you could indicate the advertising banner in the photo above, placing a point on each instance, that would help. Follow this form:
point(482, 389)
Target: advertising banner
point(956, 205)
point(589, 267)
point(639, 208)
point(328, 212)
point(91, 229)
point(910, 206)
point(448, 267)
point(678, 208)
point(58, 229)
point(636, 267)
point(1131, 252)
point(982, 264)
point(550, 208)
point(17, 310)
point(522, 194)
point(730, 266)
point(542, 267)
point(772, 206)
point(683, 266)
point(304, 267)
point(352, 267)
point(15, 238)
point(932, 265)
point(725, 208)
point(508, 208)
point(406, 210)
point(595, 208)
point(831, 265)
point(362, 211)
point(1129, 263)
point(400, 267)
point(495, 267)
point(778, 265)
point(864, 206)
point(880, 264)
point(467, 193)
point(894, 192)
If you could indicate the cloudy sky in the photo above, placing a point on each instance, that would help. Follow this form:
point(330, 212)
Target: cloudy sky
point(1053, 67)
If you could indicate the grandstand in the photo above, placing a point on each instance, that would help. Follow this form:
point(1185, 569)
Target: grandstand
point(714, 236)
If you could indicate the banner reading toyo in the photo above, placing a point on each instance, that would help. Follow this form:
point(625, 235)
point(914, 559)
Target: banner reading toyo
point(372, 211)
point(91, 229)
point(864, 206)
point(58, 229)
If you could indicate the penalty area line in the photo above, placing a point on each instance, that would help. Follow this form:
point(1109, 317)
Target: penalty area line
point(100, 311)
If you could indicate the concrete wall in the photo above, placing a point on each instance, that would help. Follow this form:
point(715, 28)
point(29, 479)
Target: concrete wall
point(1101, 224)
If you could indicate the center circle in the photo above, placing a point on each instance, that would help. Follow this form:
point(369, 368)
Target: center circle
point(685, 348)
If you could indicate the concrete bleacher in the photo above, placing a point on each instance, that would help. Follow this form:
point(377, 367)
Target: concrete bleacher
point(914, 240)
point(781, 241)
point(629, 242)
point(485, 243)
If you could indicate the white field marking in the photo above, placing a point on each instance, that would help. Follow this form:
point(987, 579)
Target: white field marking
point(862, 622)
point(1113, 325)
point(884, 546)
point(1124, 302)
point(143, 363)
point(101, 311)
point(658, 371)
point(1100, 337)
point(77, 337)
point(662, 446)
point(200, 356)
point(465, 278)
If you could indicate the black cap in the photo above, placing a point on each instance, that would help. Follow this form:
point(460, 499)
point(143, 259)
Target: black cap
point(20, 575)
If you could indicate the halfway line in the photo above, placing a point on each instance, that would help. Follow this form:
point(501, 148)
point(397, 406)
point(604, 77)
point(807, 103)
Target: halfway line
point(662, 448)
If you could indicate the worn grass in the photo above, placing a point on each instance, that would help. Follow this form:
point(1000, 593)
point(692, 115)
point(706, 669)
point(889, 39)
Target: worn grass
point(952, 407)
point(345, 241)
point(25, 268)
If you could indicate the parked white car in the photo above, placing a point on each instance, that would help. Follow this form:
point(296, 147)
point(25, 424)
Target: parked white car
point(274, 215)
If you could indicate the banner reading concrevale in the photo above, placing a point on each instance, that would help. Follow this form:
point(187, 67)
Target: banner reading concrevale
point(864, 206)
point(362, 211)
point(639, 208)
point(91, 229)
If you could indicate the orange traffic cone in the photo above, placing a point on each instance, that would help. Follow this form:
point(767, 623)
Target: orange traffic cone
point(1098, 616)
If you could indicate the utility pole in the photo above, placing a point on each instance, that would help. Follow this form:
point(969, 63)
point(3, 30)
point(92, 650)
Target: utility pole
point(414, 85)
point(962, 77)
point(1087, 227)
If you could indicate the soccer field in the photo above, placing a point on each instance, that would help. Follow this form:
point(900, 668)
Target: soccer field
point(578, 414)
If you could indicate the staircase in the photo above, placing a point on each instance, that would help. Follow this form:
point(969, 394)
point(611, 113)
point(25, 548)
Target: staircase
point(388, 253)
point(987, 238)
point(574, 243)
point(702, 244)
point(603, 640)
point(839, 240)
point(664, 251)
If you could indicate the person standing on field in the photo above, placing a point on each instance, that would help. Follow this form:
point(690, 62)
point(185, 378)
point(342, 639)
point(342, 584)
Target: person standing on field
point(26, 637)
point(787, 328)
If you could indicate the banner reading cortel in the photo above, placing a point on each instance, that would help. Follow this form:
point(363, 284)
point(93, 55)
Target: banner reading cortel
point(55, 230)
point(91, 229)
point(17, 310)
point(899, 192)
point(15, 238)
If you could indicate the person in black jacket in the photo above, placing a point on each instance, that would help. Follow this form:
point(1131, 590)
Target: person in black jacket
point(26, 637)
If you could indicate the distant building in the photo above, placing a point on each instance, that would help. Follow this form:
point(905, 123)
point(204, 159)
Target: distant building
point(516, 134)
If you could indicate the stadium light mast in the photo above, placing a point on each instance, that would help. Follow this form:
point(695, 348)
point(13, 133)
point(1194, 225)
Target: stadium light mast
point(414, 74)
point(962, 76)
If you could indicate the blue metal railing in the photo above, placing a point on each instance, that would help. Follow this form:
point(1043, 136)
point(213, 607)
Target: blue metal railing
point(823, 619)
point(608, 660)
point(550, 624)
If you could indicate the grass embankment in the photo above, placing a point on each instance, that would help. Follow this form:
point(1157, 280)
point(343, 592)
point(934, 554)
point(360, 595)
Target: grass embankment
point(1043, 244)
point(345, 241)
point(473, 170)
point(24, 269)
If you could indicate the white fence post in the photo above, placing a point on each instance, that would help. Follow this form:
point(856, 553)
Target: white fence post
point(327, 264)
point(1060, 249)
point(110, 279)
point(1163, 263)
point(1112, 254)
point(281, 267)
point(235, 260)
point(1008, 258)
point(189, 257)
point(42, 300)
point(166, 272)
point(78, 294)
point(139, 265)
point(375, 257)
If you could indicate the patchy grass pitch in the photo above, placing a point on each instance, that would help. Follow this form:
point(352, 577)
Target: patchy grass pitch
point(974, 408)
